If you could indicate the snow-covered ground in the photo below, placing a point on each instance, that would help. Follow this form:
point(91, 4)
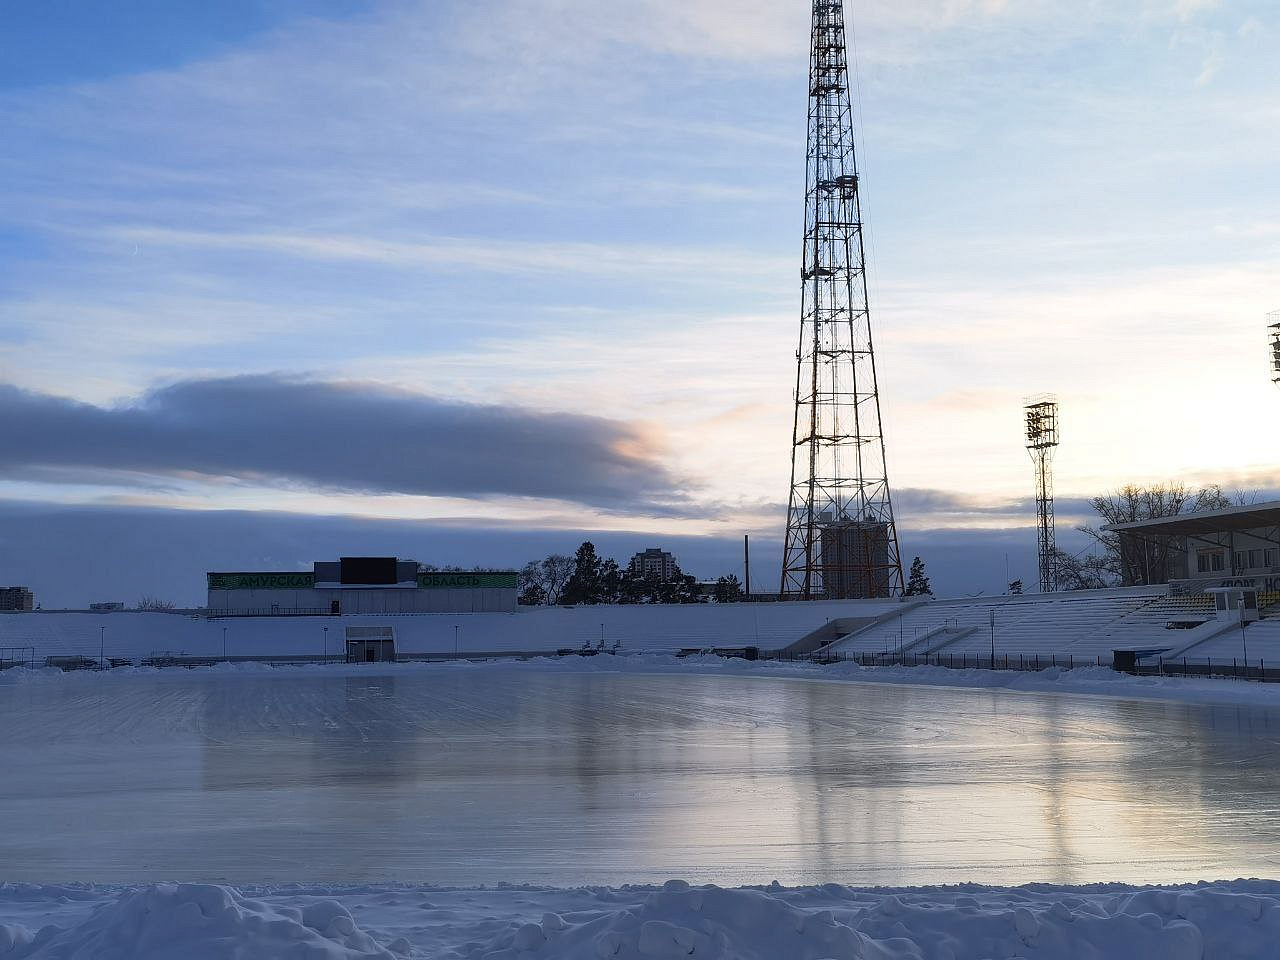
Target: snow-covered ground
point(1223, 921)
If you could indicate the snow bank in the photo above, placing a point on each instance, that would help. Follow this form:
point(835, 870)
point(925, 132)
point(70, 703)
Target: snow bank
point(199, 922)
point(1222, 921)
point(680, 921)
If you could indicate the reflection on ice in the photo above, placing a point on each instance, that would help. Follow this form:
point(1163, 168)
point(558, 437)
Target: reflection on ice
point(473, 776)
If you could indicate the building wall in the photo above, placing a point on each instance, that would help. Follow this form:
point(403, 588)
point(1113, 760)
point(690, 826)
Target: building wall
point(16, 598)
point(654, 627)
point(654, 562)
point(1239, 554)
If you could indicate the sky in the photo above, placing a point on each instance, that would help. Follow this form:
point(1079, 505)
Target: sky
point(283, 280)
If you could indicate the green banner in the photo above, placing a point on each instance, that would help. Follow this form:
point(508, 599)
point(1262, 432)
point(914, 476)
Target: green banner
point(261, 581)
point(468, 581)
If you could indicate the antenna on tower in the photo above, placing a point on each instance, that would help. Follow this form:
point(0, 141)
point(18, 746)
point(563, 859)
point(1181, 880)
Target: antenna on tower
point(1042, 438)
point(1273, 323)
point(841, 540)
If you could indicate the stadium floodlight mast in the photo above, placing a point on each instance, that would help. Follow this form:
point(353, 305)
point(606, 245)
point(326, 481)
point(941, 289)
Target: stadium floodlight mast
point(1042, 437)
point(841, 540)
point(1273, 324)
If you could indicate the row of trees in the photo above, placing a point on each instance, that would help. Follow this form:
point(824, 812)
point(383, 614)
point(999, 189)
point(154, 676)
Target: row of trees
point(586, 577)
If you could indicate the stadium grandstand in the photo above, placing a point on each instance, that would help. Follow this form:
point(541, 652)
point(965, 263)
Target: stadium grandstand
point(1214, 597)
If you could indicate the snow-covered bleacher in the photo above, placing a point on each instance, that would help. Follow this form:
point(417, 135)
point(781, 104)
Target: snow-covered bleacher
point(1080, 627)
point(1070, 624)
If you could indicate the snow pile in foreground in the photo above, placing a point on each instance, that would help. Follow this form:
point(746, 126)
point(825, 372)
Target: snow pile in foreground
point(680, 921)
point(199, 922)
point(1221, 921)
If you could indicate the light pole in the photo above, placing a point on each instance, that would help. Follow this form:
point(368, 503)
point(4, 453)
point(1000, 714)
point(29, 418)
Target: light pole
point(102, 646)
point(993, 638)
point(224, 644)
point(456, 629)
point(326, 644)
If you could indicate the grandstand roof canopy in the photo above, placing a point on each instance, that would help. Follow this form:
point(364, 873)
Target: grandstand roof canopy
point(1207, 521)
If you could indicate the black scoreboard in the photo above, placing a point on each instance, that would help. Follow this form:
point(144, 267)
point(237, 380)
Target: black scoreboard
point(367, 570)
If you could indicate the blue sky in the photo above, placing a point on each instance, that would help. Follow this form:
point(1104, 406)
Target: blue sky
point(339, 221)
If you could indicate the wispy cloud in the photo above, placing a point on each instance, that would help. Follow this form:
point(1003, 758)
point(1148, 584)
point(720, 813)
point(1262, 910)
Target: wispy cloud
point(484, 256)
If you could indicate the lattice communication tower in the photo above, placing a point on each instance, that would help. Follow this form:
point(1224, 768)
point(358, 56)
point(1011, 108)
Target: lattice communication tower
point(1273, 324)
point(841, 540)
point(1042, 438)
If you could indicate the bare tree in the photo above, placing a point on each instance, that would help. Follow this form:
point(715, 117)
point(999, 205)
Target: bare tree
point(1138, 560)
point(1131, 559)
point(155, 603)
point(1085, 572)
point(547, 577)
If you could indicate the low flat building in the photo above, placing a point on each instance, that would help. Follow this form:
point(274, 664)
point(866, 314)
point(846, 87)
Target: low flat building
point(378, 585)
point(17, 598)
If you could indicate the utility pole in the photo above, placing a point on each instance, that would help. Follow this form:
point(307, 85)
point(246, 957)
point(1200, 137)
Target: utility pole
point(841, 540)
point(746, 565)
point(1042, 437)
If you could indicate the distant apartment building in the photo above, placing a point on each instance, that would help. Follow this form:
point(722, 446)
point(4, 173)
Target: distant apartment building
point(17, 598)
point(654, 562)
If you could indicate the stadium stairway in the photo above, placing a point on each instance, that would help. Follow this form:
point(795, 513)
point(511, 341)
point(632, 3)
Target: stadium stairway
point(1147, 628)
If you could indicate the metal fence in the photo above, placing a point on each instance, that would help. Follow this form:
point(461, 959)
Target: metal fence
point(1238, 669)
point(954, 661)
point(1256, 671)
point(17, 657)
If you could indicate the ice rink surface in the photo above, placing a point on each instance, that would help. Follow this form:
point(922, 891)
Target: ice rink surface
point(465, 775)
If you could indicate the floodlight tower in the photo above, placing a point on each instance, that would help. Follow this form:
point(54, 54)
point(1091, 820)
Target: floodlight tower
point(1273, 324)
point(1042, 438)
point(841, 540)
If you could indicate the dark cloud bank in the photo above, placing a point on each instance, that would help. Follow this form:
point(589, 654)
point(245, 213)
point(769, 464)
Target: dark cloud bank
point(337, 436)
point(72, 556)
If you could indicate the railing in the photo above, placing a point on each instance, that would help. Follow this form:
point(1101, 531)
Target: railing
point(954, 661)
point(17, 657)
point(1234, 668)
point(1238, 669)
